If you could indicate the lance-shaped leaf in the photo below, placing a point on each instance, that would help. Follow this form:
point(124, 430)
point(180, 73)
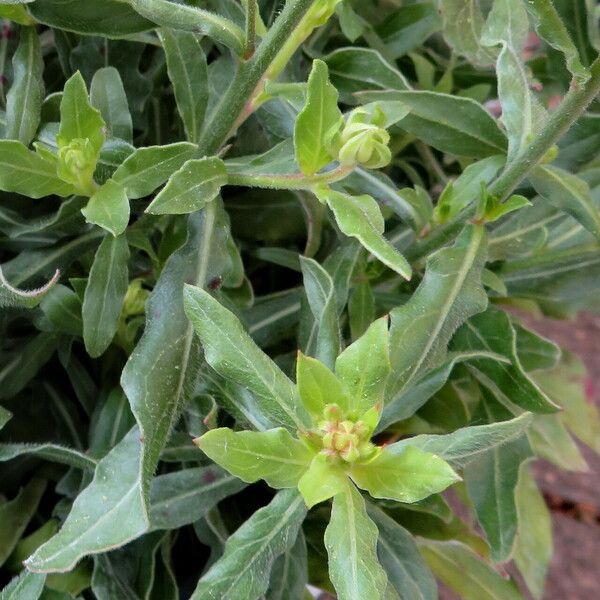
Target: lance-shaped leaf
point(399, 555)
point(12, 296)
point(5, 417)
point(78, 118)
point(451, 124)
point(320, 336)
point(492, 331)
point(411, 398)
point(104, 294)
point(27, 586)
point(449, 294)
point(289, 575)
point(364, 366)
point(147, 168)
point(190, 18)
point(491, 480)
point(197, 183)
point(243, 570)
point(534, 351)
point(351, 542)
point(186, 65)
point(161, 373)
point(466, 573)
point(108, 513)
point(318, 387)
point(183, 497)
point(533, 546)
point(406, 476)
point(15, 514)
point(318, 122)
point(25, 172)
point(108, 208)
point(107, 94)
point(462, 26)
point(467, 443)
point(360, 217)
point(232, 353)
point(551, 28)
point(522, 114)
point(24, 99)
point(52, 452)
point(322, 481)
point(273, 455)
point(567, 192)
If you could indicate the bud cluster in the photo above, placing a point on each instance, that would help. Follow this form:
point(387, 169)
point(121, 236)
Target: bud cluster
point(76, 164)
point(364, 140)
point(344, 438)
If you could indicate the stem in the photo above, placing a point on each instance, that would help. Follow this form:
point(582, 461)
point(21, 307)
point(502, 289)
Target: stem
point(250, 29)
point(248, 76)
point(296, 181)
point(571, 108)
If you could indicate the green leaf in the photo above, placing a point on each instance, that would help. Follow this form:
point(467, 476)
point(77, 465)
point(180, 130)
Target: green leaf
point(62, 308)
point(466, 573)
point(449, 294)
point(364, 366)
point(188, 73)
point(230, 351)
point(492, 331)
point(190, 18)
point(104, 294)
point(15, 12)
point(463, 445)
point(108, 513)
point(25, 172)
point(360, 217)
point(567, 192)
point(491, 480)
point(107, 94)
point(243, 570)
point(197, 183)
point(161, 373)
point(51, 452)
point(5, 417)
point(27, 586)
point(112, 18)
point(406, 476)
point(148, 168)
point(273, 455)
point(289, 575)
point(12, 296)
point(451, 124)
point(399, 555)
point(318, 387)
point(533, 546)
point(78, 118)
point(551, 28)
point(361, 308)
point(183, 497)
point(534, 351)
point(522, 114)
point(462, 27)
point(318, 122)
point(321, 481)
point(351, 542)
point(108, 208)
point(15, 514)
point(24, 99)
point(322, 340)
point(357, 69)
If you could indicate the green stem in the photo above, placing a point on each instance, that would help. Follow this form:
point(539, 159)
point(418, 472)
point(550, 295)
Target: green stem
point(250, 29)
point(571, 108)
point(248, 76)
point(296, 181)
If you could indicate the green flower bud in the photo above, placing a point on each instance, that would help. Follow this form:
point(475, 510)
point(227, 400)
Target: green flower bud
point(76, 165)
point(364, 142)
point(135, 298)
point(318, 14)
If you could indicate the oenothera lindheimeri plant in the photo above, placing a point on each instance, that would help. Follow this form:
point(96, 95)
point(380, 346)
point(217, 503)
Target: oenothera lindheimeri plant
point(260, 262)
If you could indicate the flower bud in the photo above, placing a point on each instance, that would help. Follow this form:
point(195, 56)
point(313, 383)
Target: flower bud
point(363, 141)
point(76, 164)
